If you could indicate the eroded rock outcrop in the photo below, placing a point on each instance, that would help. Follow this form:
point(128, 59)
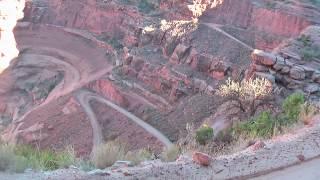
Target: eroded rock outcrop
point(10, 12)
point(294, 64)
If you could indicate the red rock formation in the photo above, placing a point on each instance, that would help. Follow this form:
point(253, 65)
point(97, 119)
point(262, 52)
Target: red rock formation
point(250, 14)
point(115, 20)
point(109, 90)
point(201, 158)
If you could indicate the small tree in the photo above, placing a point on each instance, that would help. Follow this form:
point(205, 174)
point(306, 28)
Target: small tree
point(249, 94)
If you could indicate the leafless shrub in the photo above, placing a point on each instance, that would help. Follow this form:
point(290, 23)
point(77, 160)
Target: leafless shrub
point(249, 94)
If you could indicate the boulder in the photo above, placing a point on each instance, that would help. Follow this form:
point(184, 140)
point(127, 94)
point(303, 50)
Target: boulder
point(297, 73)
point(201, 158)
point(279, 65)
point(259, 68)
point(312, 88)
point(267, 76)
point(316, 77)
point(285, 69)
point(264, 58)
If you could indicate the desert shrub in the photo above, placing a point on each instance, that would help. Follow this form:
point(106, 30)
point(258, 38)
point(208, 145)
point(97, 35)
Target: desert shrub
point(271, 5)
point(204, 134)
point(45, 159)
point(307, 111)
point(146, 6)
point(305, 39)
point(292, 107)
point(84, 165)
point(139, 156)
point(260, 126)
point(7, 158)
point(249, 94)
point(170, 154)
point(106, 155)
point(66, 158)
point(224, 137)
point(308, 53)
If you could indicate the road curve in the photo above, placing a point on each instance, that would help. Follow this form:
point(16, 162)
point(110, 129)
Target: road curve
point(84, 98)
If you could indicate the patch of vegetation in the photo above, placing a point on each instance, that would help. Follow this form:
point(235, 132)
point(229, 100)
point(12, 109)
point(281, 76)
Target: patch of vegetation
point(249, 94)
point(307, 111)
point(139, 156)
point(170, 154)
point(265, 125)
point(18, 158)
point(46, 159)
point(292, 106)
point(146, 6)
point(204, 134)
point(308, 53)
point(106, 155)
point(271, 5)
point(260, 126)
point(305, 39)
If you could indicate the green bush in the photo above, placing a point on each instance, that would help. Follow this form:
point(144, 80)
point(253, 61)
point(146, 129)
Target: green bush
point(292, 107)
point(45, 159)
point(204, 134)
point(260, 126)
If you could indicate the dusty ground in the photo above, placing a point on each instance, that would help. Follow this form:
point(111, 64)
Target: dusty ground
point(159, 83)
point(291, 153)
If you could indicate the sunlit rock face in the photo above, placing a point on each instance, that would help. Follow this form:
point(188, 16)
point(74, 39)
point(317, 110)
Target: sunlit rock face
point(10, 12)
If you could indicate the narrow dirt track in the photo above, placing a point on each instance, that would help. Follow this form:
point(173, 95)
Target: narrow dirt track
point(84, 98)
point(217, 28)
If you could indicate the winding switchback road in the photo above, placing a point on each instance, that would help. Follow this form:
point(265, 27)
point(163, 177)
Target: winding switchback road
point(217, 28)
point(84, 98)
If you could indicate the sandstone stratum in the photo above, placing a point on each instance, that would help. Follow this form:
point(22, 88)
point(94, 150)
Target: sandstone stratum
point(188, 82)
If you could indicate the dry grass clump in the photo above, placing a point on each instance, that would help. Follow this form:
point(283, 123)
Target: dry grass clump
point(307, 112)
point(20, 157)
point(170, 154)
point(136, 157)
point(106, 155)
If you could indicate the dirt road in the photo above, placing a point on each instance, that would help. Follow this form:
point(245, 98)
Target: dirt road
point(84, 98)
